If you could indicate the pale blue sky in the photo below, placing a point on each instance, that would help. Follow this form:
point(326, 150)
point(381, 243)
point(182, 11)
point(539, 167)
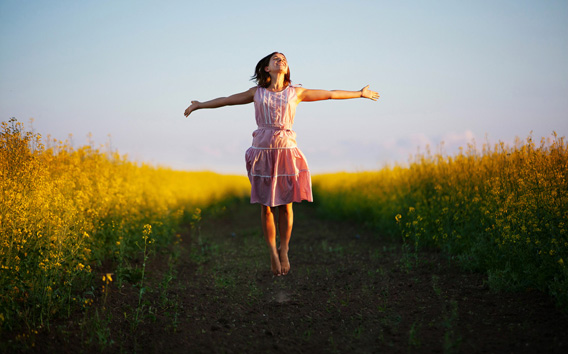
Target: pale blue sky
point(446, 70)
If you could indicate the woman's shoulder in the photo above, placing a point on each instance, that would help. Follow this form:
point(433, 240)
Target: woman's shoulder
point(298, 88)
point(252, 91)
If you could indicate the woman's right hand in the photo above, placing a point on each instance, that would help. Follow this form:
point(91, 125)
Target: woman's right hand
point(193, 107)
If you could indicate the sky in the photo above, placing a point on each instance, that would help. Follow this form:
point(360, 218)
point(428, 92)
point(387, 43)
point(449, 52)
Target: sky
point(123, 72)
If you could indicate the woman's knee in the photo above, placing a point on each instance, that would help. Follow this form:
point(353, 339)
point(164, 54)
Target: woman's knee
point(285, 209)
point(265, 210)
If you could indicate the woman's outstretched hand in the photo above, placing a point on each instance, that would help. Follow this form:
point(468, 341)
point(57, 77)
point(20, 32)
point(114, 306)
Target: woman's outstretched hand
point(191, 108)
point(365, 92)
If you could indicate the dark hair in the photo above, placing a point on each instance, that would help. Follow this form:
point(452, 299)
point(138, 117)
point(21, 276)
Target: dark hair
point(262, 78)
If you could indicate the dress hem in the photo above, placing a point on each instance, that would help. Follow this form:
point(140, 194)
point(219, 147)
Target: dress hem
point(275, 205)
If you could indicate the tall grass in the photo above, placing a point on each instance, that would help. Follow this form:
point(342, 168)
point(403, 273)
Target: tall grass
point(63, 211)
point(502, 210)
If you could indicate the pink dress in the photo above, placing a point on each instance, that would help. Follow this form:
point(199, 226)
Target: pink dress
point(277, 169)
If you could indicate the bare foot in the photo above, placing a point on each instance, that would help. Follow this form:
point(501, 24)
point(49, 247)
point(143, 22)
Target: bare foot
point(275, 264)
point(284, 261)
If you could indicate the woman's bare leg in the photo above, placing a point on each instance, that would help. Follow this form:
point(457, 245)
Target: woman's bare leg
point(269, 231)
point(285, 223)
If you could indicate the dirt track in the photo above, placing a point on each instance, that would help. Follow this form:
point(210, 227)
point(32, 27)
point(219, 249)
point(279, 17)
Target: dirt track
point(349, 290)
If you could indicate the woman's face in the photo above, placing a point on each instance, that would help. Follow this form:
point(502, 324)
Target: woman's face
point(277, 64)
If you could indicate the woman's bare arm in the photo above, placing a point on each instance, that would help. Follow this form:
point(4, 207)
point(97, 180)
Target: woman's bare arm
point(236, 99)
point(318, 95)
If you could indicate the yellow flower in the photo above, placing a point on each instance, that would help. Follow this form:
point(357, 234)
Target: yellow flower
point(147, 231)
point(561, 262)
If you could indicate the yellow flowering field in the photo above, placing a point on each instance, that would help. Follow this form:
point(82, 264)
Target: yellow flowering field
point(63, 211)
point(502, 209)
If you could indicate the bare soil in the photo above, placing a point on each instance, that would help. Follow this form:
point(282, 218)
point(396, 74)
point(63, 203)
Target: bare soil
point(350, 290)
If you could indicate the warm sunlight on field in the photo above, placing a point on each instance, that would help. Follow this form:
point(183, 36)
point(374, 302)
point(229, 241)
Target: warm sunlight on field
point(503, 209)
point(64, 210)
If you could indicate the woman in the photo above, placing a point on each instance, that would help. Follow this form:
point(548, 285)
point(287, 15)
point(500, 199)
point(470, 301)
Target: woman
point(277, 169)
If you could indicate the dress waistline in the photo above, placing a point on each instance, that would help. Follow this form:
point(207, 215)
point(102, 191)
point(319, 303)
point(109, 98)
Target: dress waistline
point(274, 148)
point(270, 127)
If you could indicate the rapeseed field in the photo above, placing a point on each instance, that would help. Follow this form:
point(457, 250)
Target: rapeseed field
point(65, 210)
point(502, 209)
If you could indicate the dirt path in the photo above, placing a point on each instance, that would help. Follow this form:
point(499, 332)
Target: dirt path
point(349, 291)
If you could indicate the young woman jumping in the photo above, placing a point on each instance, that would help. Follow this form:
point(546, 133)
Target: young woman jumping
point(277, 169)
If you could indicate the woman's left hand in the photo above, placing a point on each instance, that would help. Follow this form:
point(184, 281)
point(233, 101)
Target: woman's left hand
point(367, 93)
